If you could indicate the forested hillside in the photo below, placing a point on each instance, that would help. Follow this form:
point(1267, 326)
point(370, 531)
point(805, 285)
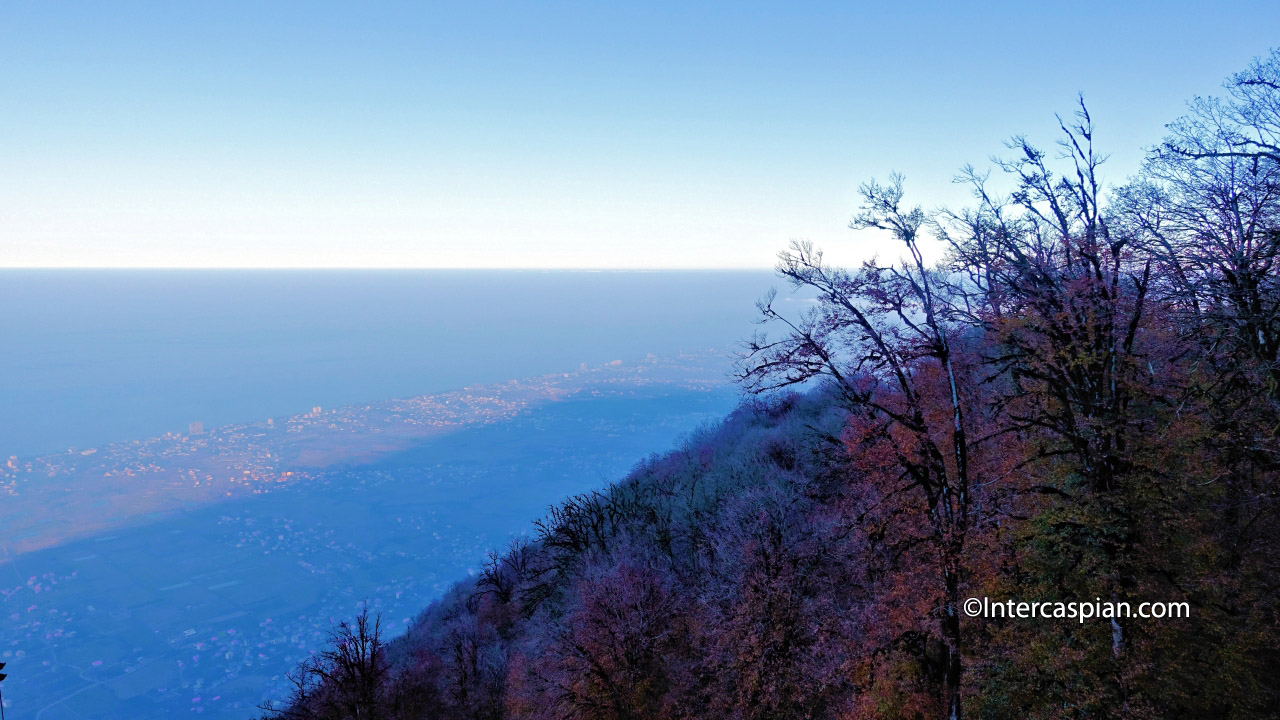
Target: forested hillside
point(1079, 401)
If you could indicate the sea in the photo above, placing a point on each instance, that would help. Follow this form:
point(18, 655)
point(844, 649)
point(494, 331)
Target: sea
point(198, 606)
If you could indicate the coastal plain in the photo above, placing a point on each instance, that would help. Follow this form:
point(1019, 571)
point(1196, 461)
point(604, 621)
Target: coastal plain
point(197, 586)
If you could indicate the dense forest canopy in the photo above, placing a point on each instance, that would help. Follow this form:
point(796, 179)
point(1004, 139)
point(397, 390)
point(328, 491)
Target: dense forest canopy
point(1080, 401)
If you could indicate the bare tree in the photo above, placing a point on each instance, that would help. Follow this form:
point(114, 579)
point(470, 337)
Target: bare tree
point(884, 336)
point(343, 681)
point(1209, 206)
point(1054, 260)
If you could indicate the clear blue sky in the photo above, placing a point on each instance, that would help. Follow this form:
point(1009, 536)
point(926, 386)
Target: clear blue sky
point(548, 134)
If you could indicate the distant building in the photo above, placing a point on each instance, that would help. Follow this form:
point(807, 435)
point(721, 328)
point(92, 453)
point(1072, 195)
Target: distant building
point(271, 422)
point(315, 410)
point(195, 428)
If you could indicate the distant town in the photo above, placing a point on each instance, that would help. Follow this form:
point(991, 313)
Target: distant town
point(55, 498)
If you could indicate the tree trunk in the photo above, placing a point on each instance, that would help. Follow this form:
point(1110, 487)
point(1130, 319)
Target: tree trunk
point(951, 634)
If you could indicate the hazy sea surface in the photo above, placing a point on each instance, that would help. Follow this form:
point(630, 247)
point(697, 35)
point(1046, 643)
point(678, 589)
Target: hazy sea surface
point(98, 356)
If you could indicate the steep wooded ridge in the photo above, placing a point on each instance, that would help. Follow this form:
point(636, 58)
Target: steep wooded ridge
point(1079, 402)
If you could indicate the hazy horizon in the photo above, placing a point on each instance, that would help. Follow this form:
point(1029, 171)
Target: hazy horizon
point(110, 355)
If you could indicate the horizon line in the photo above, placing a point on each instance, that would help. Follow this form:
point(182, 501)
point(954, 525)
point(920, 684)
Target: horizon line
point(388, 268)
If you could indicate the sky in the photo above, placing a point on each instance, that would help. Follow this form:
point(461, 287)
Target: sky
point(547, 134)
